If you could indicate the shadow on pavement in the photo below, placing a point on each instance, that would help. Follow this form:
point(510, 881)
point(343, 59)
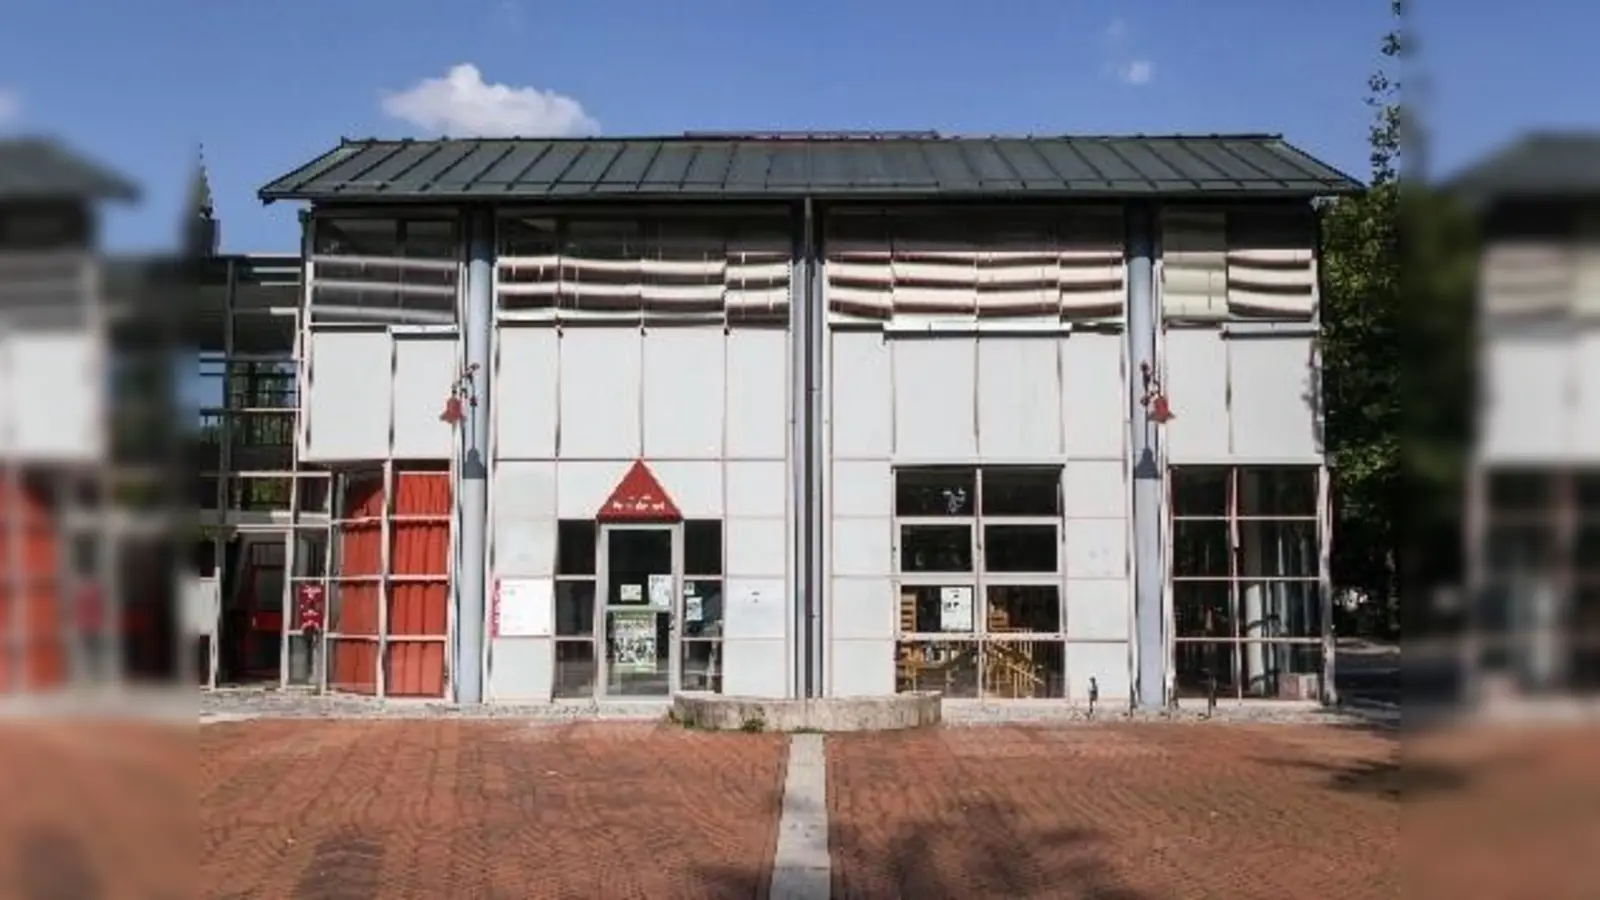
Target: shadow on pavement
point(979, 851)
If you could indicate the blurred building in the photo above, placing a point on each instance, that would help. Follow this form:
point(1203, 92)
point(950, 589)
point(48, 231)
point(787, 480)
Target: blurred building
point(1534, 497)
point(781, 415)
point(67, 612)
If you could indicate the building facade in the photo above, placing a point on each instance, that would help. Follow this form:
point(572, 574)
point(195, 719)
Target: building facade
point(1532, 624)
point(809, 416)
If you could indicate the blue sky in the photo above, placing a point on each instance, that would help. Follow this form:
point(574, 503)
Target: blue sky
point(268, 85)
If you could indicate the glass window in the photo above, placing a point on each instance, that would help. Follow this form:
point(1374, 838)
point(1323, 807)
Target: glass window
point(935, 492)
point(1246, 588)
point(1022, 492)
point(575, 547)
point(702, 547)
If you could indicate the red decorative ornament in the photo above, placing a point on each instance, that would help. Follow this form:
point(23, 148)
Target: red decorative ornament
point(1155, 401)
point(453, 413)
point(1160, 410)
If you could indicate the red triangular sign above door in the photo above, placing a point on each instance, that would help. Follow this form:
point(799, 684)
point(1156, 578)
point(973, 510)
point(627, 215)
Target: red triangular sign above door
point(639, 497)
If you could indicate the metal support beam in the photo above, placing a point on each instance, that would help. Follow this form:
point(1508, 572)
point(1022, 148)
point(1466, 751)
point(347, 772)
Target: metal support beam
point(799, 451)
point(1144, 445)
point(816, 451)
point(472, 496)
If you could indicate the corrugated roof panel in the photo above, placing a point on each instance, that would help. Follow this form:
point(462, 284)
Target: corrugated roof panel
point(1028, 164)
point(823, 166)
point(791, 168)
point(429, 172)
point(710, 166)
point(590, 166)
point(669, 167)
point(748, 170)
point(630, 166)
point(512, 162)
point(1068, 163)
point(351, 174)
point(908, 163)
point(395, 172)
point(549, 167)
point(988, 166)
point(481, 158)
point(948, 168)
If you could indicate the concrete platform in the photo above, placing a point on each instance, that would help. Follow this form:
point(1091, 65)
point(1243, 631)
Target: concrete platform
point(715, 712)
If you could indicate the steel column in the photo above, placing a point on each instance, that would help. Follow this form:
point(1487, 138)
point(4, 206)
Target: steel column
point(1149, 568)
point(799, 452)
point(472, 497)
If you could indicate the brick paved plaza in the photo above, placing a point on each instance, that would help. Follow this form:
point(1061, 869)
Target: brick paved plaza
point(431, 808)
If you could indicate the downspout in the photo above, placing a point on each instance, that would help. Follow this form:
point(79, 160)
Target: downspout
point(1149, 568)
point(477, 336)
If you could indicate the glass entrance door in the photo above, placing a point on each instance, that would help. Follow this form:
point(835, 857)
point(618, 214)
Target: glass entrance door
point(639, 566)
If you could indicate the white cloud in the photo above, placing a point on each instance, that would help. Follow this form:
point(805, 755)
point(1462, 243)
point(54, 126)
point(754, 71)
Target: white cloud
point(1137, 72)
point(1120, 59)
point(462, 104)
point(10, 105)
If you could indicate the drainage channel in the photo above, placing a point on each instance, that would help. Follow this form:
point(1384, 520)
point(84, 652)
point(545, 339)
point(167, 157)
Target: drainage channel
point(801, 869)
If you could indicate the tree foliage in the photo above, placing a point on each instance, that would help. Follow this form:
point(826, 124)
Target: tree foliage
point(1360, 345)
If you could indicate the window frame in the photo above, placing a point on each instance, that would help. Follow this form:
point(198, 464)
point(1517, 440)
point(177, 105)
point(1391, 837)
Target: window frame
point(979, 578)
point(1236, 579)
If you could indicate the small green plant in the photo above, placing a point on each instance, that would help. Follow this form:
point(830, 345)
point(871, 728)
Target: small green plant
point(753, 725)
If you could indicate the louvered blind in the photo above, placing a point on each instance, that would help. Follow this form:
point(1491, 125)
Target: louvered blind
point(967, 266)
point(628, 267)
point(1225, 264)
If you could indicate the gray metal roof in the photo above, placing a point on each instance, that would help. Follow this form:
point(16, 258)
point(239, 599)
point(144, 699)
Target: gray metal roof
point(773, 166)
point(36, 168)
point(1540, 165)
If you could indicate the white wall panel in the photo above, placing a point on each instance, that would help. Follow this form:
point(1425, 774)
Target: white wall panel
point(52, 395)
point(757, 393)
point(861, 668)
point(1522, 414)
point(935, 389)
point(1197, 386)
point(1095, 488)
point(862, 608)
point(525, 401)
point(754, 668)
point(755, 547)
point(600, 393)
point(347, 407)
point(1097, 548)
point(1093, 398)
point(1019, 398)
point(695, 486)
point(1273, 405)
point(862, 546)
point(756, 488)
point(683, 392)
point(1098, 608)
point(1585, 415)
point(520, 670)
point(1109, 664)
point(861, 396)
point(524, 533)
point(581, 487)
point(425, 365)
point(755, 609)
point(863, 489)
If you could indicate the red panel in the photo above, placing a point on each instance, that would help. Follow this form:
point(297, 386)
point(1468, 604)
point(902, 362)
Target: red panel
point(30, 514)
point(417, 608)
point(639, 497)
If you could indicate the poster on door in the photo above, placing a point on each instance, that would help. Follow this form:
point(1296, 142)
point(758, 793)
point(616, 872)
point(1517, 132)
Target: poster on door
point(955, 609)
point(633, 641)
point(661, 592)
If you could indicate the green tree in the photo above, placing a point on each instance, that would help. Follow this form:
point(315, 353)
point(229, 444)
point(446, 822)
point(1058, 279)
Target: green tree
point(1360, 343)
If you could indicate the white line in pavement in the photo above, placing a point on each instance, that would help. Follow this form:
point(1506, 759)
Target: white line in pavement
point(801, 868)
